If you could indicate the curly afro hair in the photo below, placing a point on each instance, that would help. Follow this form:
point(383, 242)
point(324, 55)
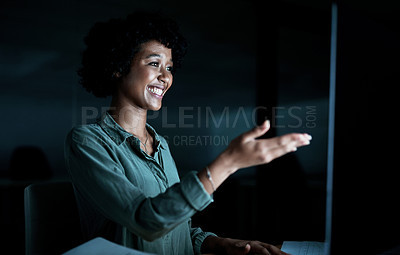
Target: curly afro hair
point(112, 45)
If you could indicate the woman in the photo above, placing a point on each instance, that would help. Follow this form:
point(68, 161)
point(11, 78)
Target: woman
point(125, 180)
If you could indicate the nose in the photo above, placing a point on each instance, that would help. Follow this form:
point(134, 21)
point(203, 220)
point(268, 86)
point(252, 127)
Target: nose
point(165, 76)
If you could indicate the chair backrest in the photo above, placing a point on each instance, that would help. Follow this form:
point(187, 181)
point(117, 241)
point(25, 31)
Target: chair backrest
point(51, 218)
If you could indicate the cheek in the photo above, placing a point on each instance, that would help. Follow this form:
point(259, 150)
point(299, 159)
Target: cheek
point(139, 79)
point(147, 76)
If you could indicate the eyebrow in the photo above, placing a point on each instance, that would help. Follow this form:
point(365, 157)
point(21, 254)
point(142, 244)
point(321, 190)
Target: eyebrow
point(155, 55)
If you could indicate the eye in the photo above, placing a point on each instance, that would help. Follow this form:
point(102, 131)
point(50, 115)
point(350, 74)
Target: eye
point(170, 68)
point(155, 64)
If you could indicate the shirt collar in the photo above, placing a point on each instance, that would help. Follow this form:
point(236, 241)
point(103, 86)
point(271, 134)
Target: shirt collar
point(119, 135)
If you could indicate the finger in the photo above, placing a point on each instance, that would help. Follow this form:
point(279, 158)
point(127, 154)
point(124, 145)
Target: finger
point(259, 249)
point(243, 247)
point(257, 131)
point(274, 250)
point(247, 249)
point(294, 138)
point(277, 152)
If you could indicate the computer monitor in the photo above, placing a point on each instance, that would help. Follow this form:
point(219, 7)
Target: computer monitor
point(361, 75)
point(363, 184)
point(331, 129)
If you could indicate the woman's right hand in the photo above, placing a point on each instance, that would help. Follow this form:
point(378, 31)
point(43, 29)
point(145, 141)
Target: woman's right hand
point(246, 150)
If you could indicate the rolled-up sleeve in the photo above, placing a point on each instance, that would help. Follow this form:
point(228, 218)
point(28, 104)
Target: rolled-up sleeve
point(198, 236)
point(100, 179)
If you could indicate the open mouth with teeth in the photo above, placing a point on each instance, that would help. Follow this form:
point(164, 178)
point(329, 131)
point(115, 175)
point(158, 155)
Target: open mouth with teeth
point(158, 92)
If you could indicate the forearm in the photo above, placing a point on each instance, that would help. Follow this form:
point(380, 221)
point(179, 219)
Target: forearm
point(177, 204)
point(220, 169)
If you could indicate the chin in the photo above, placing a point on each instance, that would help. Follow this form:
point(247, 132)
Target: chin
point(155, 108)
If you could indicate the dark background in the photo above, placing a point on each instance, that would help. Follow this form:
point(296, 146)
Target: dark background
point(366, 184)
point(247, 61)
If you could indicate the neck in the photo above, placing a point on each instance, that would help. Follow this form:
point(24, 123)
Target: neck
point(129, 117)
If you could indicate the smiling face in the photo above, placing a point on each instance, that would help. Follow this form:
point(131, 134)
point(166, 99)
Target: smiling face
point(149, 77)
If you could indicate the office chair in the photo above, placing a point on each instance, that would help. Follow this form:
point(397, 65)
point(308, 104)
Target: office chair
point(51, 218)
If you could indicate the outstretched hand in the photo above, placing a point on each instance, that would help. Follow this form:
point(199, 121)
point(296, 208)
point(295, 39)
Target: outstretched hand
point(249, 150)
point(246, 150)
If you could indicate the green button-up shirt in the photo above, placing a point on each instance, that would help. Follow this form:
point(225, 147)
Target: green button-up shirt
point(129, 197)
